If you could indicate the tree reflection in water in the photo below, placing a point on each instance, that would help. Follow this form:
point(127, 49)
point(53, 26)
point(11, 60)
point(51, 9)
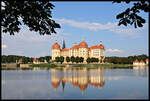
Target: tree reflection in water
point(78, 77)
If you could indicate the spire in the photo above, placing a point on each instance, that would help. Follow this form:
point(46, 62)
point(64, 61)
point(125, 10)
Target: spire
point(100, 42)
point(64, 46)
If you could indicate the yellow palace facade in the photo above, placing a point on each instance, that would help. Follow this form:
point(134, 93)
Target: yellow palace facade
point(80, 50)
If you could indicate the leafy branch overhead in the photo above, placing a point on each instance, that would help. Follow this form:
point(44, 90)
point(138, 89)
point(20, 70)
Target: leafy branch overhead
point(34, 14)
point(130, 15)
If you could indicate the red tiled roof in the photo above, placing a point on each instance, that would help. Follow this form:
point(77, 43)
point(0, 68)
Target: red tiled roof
point(136, 61)
point(20, 60)
point(101, 46)
point(35, 60)
point(75, 47)
point(141, 61)
point(83, 44)
point(56, 46)
point(97, 47)
point(65, 49)
point(147, 60)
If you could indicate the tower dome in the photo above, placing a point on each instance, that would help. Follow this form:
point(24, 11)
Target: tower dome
point(83, 44)
point(101, 46)
point(56, 46)
point(75, 47)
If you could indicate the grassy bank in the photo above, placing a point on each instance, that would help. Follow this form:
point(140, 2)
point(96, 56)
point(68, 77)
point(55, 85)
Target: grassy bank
point(5, 68)
point(58, 65)
point(103, 65)
point(46, 65)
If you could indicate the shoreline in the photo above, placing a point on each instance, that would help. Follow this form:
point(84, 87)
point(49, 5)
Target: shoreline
point(57, 65)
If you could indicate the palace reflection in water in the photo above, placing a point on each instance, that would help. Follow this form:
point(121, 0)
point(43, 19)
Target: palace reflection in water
point(68, 83)
point(78, 77)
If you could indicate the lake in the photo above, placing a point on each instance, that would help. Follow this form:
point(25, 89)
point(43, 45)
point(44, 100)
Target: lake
point(76, 83)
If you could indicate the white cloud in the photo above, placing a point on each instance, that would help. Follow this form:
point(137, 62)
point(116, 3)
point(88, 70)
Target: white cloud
point(114, 51)
point(110, 26)
point(91, 26)
point(4, 46)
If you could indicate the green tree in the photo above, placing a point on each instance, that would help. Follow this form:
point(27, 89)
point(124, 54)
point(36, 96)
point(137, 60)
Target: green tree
point(28, 59)
point(96, 60)
point(31, 60)
point(130, 15)
point(61, 59)
point(24, 59)
point(72, 59)
point(92, 60)
point(88, 60)
point(68, 59)
point(81, 59)
point(41, 59)
point(77, 59)
point(48, 58)
point(57, 59)
point(4, 59)
point(11, 59)
point(34, 14)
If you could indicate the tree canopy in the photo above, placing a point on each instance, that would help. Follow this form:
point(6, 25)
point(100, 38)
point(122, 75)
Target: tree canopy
point(131, 16)
point(34, 14)
point(25, 59)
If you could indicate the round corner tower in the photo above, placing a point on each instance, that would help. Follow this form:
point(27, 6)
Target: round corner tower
point(55, 50)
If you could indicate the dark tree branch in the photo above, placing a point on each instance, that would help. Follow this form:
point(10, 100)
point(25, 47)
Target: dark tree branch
point(130, 15)
point(34, 14)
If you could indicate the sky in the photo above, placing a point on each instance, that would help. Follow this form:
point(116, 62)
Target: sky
point(89, 21)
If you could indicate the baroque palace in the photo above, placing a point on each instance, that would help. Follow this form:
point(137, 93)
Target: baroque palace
point(80, 50)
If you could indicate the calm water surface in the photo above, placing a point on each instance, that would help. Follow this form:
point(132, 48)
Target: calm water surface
point(72, 83)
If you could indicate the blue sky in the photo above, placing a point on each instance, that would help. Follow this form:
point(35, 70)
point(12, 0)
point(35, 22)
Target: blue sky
point(91, 21)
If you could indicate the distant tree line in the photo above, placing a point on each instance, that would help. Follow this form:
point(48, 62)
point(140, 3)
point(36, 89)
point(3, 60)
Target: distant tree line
point(13, 58)
point(112, 59)
point(42, 59)
point(125, 60)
